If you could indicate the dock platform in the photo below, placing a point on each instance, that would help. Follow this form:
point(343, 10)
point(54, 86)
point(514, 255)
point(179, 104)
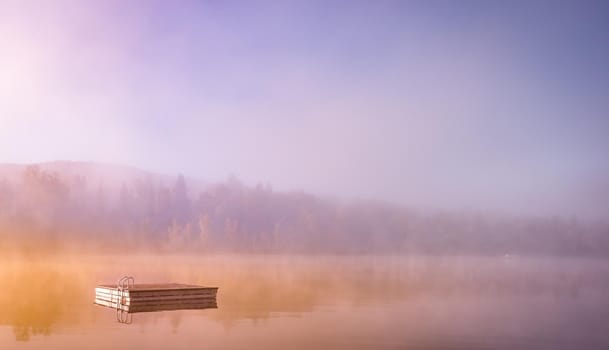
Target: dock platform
point(132, 298)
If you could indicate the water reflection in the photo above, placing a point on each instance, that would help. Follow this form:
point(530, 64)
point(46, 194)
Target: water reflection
point(124, 313)
point(34, 297)
point(132, 309)
point(124, 317)
point(350, 302)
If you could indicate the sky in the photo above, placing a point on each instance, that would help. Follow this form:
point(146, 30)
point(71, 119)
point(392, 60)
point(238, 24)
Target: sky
point(451, 104)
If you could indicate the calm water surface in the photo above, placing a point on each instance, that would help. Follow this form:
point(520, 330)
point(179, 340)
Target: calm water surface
point(280, 302)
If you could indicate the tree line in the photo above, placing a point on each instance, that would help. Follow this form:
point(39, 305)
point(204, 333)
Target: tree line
point(46, 208)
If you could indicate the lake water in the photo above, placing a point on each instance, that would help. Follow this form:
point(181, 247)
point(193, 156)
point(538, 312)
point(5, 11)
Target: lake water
point(331, 302)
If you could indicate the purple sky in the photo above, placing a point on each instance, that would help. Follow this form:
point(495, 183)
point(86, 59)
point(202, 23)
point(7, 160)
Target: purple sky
point(456, 104)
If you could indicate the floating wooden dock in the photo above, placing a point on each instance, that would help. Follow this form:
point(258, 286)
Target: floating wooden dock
point(130, 297)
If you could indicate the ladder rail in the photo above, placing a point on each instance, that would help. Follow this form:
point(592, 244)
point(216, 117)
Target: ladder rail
point(122, 286)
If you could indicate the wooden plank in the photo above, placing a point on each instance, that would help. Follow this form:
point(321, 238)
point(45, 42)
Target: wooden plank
point(149, 307)
point(155, 290)
point(112, 305)
point(157, 287)
point(170, 297)
point(136, 300)
point(162, 302)
point(156, 295)
point(154, 300)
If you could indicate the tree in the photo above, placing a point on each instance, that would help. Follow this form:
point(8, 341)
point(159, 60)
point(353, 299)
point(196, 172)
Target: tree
point(5, 197)
point(181, 203)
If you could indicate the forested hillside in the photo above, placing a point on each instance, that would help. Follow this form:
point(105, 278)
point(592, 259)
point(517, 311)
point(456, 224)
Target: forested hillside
point(43, 207)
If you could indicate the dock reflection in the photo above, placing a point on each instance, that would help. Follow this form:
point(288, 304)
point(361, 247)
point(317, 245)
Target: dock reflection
point(125, 314)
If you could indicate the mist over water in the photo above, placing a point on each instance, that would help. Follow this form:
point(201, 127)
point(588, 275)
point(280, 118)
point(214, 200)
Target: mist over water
point(334, 302)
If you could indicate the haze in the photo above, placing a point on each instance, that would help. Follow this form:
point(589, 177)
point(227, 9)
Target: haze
point(460, 105)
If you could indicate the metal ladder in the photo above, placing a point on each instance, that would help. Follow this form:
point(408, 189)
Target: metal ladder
point(122, 286)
